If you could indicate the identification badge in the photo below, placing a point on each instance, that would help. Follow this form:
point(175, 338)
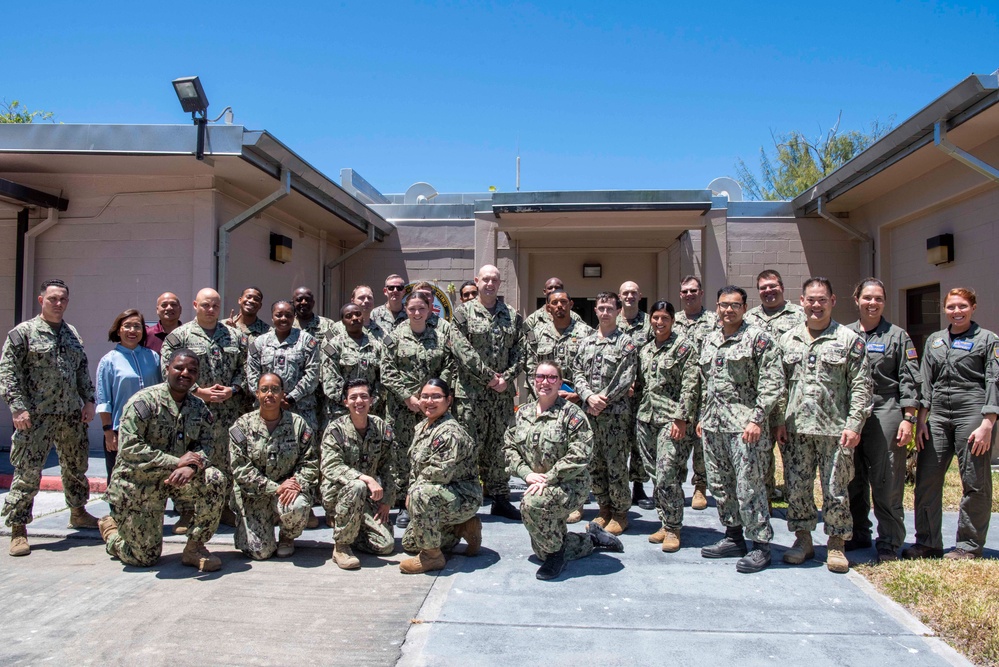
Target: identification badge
point(965, 345)
point(939, 342)
point(876, 347)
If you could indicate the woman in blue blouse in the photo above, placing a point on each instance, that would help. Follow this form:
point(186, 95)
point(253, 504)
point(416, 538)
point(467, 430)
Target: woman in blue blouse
point(126, 369)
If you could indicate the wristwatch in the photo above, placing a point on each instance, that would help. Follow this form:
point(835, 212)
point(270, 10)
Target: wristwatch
point(236, 389)
point(910, 418)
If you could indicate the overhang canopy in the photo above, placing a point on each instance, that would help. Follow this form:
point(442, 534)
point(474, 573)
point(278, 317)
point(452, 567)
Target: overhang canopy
point(22, 195)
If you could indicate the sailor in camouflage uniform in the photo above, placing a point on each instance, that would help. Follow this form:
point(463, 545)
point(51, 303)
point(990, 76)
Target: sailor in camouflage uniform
point(635, 323)
point(603, 372)
point(165, 449)
point(827, 402)
point(695, 323)
point(444, 489)
point(47, 386)
point(549, 447)
point(275, 466)
point(542, 314)
point(353, 355)
point(557, 338)
point(740, 383)
point(388, 315)
point(363, 298)
point(504, 343)
point(247, 323)
point(667, 379)
point(358, 486)
point(292, 355)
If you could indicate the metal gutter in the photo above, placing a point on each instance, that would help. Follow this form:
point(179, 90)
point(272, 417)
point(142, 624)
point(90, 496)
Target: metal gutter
point(328, 269)
point(28, 261)
point(600, 201)
point(961, 155)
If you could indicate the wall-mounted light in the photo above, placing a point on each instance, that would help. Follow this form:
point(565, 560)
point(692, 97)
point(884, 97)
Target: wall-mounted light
point(280, 248)
point(592, 270)
point(940, 249)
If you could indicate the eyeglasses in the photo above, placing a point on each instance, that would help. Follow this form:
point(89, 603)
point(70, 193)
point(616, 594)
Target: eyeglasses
point(432, 397)
point(729, 306)
point(132, 327)
point(395, 288)
point(689, 291)
point(551, 379)
point(269, 390)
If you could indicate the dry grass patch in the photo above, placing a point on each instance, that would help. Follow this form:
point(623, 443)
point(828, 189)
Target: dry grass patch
point(957, 599)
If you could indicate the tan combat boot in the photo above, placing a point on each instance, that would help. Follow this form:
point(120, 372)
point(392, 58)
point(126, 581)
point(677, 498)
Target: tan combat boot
point(802, 549)
point(618, 524)
point(108, 527)
point(19, 540)
point(671, 542)
point(345, 558)
point(286, 545)
point(658, 536)
point(604, 517)
point(575, 516)
point(836, 560)
point(699, 501)
point(196, 555)
point(471, 532)
point(427, 560)
point(183, 523)
point(313, 520)
point(80, 518)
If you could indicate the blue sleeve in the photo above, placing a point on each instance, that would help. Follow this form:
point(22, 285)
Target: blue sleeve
point(105, 384)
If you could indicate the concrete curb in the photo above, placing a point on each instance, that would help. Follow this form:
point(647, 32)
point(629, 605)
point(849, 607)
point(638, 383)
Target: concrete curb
point(54, 483)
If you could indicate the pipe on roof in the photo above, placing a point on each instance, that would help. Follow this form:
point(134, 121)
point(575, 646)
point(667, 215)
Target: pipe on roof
point(28, 262)
point(961, 155)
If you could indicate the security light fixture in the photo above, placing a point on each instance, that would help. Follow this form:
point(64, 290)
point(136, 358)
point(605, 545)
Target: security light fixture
point(940, 249)
point(280, 248)
point(193, 99)
point(592, 270)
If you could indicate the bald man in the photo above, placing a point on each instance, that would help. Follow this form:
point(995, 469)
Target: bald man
point(635, 323)
point(168, 309)
point(221, 352)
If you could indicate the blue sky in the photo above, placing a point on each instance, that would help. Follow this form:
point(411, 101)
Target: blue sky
point(595, 95)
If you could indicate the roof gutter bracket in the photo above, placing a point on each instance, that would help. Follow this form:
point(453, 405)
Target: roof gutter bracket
point(940, 141)
point(337, 261)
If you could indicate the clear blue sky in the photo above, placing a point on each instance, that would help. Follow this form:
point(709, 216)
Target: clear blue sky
point(597, 95)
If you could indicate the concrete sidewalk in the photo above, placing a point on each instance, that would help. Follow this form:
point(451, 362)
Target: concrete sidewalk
point(640, 607)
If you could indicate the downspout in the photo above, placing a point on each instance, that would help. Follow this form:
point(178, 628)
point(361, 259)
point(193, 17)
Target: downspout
point(328, 272)
point(227, 228)
point(28, 266)
point(22, 230)
point(321, 258)
point(821, 210)
point(962, 156)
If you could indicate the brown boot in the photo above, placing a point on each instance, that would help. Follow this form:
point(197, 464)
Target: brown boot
point(19, 540)
point(802, 549)
point(699, 500)
point(313, 520)
point(604, 517)
point(671, 543)
point(196, 555)
point(286, 545)
point(427, 560)
point(618, 524)
point(80, 518)
point(345, 558)
point(471, 532)
point(658, 536)
point(108, 527)
point(183, 523)
point(836, 560)
point(575, 516)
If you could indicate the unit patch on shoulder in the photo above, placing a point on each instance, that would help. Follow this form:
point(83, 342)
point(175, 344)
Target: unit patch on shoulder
point(910, 353)
point(244, 340)
point(575, 421)
point(389, 433)
point(437, 442)
point(859, 347)
point(143, 410)
point(210, 418)
point(682, 350)
point(629, 347)
point(762, 343)
point(237, 435)
point(995, 351)
point(306, 435)
point(313, 343)
point(15, 338)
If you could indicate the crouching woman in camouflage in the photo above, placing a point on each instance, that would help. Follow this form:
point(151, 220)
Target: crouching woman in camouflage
point(549, 447)
point(444, 488)
point(275, 465)
point(165, 446)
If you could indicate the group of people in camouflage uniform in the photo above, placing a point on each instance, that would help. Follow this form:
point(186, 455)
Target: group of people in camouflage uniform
point(255, 424)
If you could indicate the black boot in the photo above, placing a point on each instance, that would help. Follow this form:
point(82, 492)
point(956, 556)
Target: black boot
point(604, 540)
point(756, 560)
point(402, 519)
point(553, 565)
point(504, 508)
point(858, 541)
point(638, 497)
point(732, 545)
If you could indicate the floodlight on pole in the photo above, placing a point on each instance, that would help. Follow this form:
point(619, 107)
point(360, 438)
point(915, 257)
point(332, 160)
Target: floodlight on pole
point(193, 100)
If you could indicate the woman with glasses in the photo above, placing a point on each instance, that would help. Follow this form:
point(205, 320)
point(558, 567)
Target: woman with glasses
point(444, 492)
point(549, 446)
point(126, 369)
point(879, 459)
point(668, 381)
point(275, 466)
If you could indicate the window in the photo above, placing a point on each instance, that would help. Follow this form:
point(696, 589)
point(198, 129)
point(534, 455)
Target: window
point(922, 313)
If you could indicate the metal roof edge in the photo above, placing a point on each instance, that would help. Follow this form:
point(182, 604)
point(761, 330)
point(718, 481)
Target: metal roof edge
point(73, 138)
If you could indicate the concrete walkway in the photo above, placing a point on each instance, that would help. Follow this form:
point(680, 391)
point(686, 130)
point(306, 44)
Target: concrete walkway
point(73, 603)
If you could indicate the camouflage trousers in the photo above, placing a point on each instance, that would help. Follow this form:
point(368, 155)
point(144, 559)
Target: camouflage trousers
point(736, 476)
point(403, 423)
point(138, 511)
point(354, 515)
point(434, 511)
point(609, 467)
point(641, 462)
point(669, 471)
point(545, 515)
point(802, 455)
point(225, 415)
point(486, 417)
point(257, 517)
point(700, 476)
point(28, 452)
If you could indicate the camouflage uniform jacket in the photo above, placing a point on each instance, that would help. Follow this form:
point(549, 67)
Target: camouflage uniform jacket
point(788, 317)
point(222, 356)
point(558, 443)
point(961, 369)
point(44, 371)
point(541, 315)
point(640, 328)
point(295, 360)
point(154, 433)
point(347, 454)
point(696, 329)
point(372, 329)
point(740, 379)
point(550, 345)
point(606, 365)
point(385, 319)
point(253, 331)
point(443, 453)
point(667, 378)
point(261, 461)
point(318, 327)
point(345, 359)
point(502, 340)
point(828, 381)
point(894, 362)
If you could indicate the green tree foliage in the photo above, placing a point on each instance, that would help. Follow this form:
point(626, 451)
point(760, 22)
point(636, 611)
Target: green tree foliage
point(797, 162)
point(15, 112)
